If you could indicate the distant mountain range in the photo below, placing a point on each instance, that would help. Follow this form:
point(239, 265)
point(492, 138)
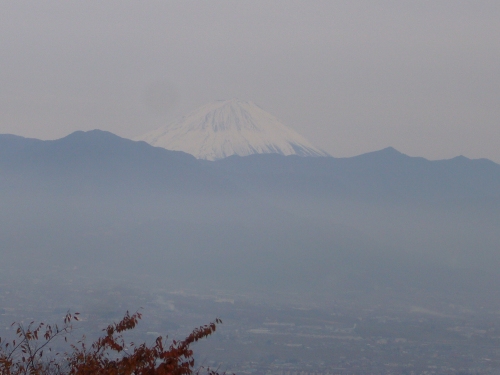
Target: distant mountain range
point(230, 127)
point(100, 157)
point(269, 221)
point(385, 174)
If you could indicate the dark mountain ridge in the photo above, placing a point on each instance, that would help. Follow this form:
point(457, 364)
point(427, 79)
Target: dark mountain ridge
point(382, 175)
point(102, 160)
point(385, 174)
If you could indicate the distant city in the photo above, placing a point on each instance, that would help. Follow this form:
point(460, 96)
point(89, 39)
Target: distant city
point(260, 336)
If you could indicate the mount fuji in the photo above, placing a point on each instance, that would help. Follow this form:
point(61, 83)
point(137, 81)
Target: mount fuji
point(230, 127)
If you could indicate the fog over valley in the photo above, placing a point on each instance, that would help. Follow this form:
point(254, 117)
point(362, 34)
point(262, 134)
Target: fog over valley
point(101, 203)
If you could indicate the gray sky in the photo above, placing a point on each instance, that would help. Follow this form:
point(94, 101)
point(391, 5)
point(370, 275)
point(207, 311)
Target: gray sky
point(351, 76)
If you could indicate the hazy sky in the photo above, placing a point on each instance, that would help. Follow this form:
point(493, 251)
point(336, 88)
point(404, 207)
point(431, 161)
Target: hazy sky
point(351, 76)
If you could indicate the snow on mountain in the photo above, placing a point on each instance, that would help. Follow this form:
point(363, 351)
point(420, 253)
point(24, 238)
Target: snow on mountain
point(230, 127)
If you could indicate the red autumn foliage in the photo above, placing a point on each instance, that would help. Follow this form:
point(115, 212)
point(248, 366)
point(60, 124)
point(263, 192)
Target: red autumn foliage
point(108, 355)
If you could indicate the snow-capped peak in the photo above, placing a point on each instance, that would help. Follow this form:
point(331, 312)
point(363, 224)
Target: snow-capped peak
point(228, 127)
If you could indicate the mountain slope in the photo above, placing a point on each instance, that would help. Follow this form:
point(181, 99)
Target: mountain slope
point(386, 175)
point(101, 160)
point(231, 127)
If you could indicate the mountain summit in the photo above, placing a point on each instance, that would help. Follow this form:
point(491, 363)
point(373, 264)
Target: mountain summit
point(230, 127)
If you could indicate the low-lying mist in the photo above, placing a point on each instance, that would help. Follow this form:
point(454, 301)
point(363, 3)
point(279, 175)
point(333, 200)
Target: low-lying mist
point(93, 207)
point(249, 245)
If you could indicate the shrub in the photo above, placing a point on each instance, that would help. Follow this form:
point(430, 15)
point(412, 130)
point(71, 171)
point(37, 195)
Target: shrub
point(108, 355)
